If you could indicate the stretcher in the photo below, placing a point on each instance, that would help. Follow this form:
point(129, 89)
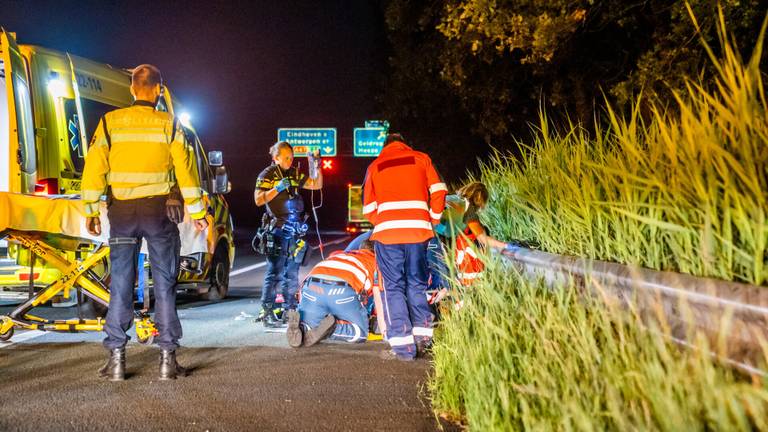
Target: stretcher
point(48, 226)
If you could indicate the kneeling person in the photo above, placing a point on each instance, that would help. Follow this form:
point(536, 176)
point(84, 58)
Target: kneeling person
point(333, 299)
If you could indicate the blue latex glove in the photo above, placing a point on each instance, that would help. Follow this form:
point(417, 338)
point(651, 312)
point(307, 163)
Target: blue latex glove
point(283, 185)
point(511, 247)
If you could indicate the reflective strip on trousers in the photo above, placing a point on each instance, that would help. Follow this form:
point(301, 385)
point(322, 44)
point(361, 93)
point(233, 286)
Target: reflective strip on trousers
point(401, 341)
point(422, 331)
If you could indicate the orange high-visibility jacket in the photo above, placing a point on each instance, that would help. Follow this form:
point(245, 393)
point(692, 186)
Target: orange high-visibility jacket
point(468, 264)
point(357, 268)
point(403, 195)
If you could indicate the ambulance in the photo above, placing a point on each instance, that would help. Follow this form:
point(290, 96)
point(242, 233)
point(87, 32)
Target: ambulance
point(50, 105)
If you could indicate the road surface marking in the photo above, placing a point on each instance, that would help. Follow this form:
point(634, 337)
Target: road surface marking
point(22, 337)
point(247, 269)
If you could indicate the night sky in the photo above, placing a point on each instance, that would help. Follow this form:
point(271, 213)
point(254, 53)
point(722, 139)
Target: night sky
point(242, 69)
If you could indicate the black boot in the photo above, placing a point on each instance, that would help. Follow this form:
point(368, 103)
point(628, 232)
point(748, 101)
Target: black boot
point(169, 369)
point(114, 370)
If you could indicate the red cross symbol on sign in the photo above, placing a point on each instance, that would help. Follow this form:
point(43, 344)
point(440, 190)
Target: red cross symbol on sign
point(328, 164)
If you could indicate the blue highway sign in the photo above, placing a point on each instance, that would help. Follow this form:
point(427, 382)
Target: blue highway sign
point(307, 140)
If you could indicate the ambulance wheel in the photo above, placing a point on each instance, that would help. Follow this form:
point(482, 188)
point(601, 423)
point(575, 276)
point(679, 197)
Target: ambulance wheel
point(219, 274)
point(7, 335)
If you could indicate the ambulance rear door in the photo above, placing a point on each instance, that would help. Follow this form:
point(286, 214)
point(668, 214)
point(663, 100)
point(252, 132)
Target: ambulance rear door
point(17, 130)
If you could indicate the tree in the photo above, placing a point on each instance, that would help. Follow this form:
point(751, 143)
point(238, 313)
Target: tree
point(491, 63)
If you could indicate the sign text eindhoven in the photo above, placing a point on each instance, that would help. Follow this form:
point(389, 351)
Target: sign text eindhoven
point(369, 141)
point(307, 140)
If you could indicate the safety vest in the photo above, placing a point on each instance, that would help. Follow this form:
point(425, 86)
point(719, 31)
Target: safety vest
point(403, 195)
point(134, 155)
point(357, 268)
point(468, 264)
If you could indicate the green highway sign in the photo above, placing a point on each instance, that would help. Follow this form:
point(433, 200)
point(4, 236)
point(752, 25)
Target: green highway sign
point(308, 140)
point(369, 141)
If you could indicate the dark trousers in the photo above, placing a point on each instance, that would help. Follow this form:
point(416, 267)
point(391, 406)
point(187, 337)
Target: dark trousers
point(130, 221)
point(281, 268)
point(404, 270)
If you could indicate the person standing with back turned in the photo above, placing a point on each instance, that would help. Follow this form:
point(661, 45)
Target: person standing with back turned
point(137, 155)
point(403, 197)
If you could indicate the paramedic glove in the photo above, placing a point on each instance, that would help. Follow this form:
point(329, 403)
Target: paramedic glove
point(174, 209)
point(283, 185)
point(511, 247)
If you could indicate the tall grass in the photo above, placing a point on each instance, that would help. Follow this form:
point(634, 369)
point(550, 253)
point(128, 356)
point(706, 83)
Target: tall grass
point(520, 356)
point(681, 190)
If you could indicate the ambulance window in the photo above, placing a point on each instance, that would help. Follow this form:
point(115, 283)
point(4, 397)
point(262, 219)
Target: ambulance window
point(202, 163)
point(26, 127)
point(93, 111)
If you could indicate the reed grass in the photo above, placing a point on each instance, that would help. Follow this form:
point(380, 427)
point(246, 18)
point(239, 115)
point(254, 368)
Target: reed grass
point(681, 190)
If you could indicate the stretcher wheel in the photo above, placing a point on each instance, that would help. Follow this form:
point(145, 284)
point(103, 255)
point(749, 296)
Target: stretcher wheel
point(7, 335)
point(146, 340)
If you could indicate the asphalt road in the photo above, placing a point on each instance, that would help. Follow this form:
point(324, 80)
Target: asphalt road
point(243, 377)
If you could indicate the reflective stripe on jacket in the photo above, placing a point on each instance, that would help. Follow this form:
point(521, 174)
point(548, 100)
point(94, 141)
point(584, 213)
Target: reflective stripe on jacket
point(468, 264)
point(357, 268)
point(403, 195)
point(140, 160)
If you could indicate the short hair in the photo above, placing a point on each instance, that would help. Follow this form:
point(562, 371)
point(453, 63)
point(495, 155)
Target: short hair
point(276, 147)
point(475, 192)
point(366, 245)
point(146, 76)
point(394, 137)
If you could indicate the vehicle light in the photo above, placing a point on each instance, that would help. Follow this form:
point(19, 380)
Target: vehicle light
point(47, 187)
point(25, 276)
point(185, 118)
point(56, 87)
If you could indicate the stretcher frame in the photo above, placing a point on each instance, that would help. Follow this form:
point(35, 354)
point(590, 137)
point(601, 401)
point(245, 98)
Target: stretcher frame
point(78, 275)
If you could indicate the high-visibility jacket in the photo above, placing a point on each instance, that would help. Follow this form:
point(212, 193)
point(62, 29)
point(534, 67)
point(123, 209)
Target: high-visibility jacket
point(138, 159)
point(468, 264)
point(357, 268)
point(403, 195)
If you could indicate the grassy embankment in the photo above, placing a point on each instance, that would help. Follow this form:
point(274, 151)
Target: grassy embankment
point(681, 190)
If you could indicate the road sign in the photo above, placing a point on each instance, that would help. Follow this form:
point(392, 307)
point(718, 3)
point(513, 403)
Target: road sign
point(377, 123)
point(369, 141)
point(307, 140)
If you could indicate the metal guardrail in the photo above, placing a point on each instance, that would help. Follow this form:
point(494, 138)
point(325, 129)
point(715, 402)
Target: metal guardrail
point(717, 308)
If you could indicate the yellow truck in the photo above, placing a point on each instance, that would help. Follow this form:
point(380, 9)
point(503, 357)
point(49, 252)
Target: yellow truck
point(50, 105)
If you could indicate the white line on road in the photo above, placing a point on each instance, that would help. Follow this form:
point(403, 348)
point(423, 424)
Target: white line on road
point(22, 337)
point(247, 269)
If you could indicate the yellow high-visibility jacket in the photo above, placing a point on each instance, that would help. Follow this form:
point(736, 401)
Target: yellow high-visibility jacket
point(140, 160)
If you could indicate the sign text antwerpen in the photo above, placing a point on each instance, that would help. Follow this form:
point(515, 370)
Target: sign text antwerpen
point(307, 140)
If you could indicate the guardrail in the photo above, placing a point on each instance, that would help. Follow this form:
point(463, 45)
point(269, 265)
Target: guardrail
point(718, 308)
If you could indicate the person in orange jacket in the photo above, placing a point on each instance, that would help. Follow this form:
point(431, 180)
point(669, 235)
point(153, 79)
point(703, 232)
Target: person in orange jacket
point(403, 197)
point(333, 300)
